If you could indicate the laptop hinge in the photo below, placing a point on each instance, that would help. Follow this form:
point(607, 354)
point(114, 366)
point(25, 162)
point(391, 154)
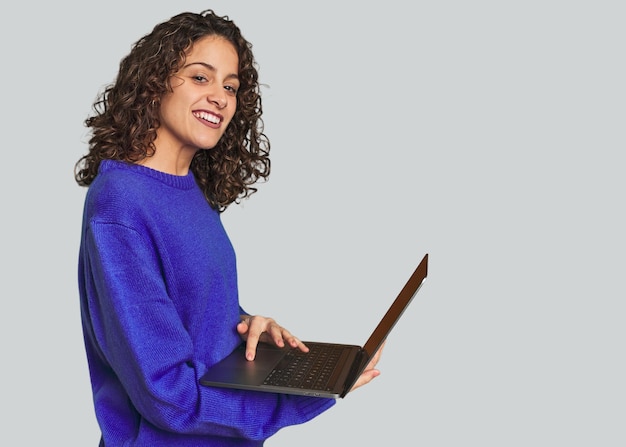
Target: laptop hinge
point(357, 368)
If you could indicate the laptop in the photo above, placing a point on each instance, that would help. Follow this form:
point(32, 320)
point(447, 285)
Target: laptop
point(327, 370)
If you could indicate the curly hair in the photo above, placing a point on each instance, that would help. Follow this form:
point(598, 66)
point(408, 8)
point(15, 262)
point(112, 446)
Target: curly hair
point(126, 114)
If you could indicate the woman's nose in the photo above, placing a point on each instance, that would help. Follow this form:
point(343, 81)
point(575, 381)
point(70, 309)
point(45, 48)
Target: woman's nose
point(218, 97)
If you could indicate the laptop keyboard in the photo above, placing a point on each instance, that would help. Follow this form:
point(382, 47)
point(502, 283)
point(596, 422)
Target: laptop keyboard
point(310, 370)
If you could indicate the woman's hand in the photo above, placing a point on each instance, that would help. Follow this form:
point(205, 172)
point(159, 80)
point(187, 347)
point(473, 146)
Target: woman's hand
point(370, 371)
point(253, 329)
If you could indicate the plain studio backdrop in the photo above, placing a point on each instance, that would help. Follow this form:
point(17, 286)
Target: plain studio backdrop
point(488, 134)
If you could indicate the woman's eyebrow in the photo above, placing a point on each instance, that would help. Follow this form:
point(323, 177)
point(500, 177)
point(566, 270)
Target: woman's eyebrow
point(212, 68)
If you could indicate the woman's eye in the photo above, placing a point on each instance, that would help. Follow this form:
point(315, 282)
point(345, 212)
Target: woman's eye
point(231, 89)
point(199, 78)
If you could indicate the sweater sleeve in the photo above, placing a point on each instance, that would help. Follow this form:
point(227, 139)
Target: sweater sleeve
point(142, 342)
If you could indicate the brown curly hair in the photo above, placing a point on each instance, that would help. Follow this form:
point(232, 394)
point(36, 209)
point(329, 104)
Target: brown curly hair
point(126, 113)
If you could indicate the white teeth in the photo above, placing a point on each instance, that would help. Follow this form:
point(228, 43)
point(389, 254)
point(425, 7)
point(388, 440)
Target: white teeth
point(207, 117)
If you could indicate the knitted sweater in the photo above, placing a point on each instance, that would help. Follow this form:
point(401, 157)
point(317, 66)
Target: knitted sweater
point(159, 304)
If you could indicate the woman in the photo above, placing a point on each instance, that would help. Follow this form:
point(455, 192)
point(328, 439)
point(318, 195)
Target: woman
point(175, 140)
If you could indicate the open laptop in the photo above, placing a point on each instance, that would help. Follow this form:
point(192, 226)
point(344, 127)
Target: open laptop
point(327, 370)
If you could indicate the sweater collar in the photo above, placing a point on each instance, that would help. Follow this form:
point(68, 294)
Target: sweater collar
point(176, 181)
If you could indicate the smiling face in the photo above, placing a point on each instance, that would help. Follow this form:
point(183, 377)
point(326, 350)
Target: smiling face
point(203, 100)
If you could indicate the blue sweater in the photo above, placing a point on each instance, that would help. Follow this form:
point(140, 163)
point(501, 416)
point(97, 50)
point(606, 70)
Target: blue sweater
point(159, 304)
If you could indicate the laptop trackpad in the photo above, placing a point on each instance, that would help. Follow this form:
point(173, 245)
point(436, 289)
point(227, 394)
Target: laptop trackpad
point(236, 369)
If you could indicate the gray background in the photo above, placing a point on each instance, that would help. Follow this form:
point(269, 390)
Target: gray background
point(485, 133)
